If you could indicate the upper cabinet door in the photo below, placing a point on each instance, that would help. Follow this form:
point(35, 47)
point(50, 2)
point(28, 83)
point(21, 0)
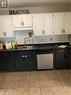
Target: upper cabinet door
point(16, 20)
point(8, 26)
point(6, 29)
point(58, 24)
point(22, 21)
point(70, 22)
point(38, 24)
point(48, 24)
point(1, 26)
point(66, 22)
point(42, 24)
point(26, 20)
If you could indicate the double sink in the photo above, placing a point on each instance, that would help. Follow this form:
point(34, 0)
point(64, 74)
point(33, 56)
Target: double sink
point(25, 47)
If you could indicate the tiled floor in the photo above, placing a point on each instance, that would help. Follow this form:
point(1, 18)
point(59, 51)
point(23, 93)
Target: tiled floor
point(50, 82)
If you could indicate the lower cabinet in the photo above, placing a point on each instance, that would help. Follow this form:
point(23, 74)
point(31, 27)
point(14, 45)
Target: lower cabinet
point(25, 60)
point(7, 61)
point(70, 58)
point(61, 59)
point(70, 61)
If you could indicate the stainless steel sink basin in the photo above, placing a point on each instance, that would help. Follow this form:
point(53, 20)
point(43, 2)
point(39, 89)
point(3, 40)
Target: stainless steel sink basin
point(25, 47)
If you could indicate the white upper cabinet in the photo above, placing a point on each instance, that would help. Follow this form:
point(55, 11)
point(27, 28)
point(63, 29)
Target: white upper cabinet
point(22, 21)
point(1, 26)
point(42, 24)
point(38, 27)
point(6, 29)
point(66, 22)
point(48, 18)
point(58, 23)
point(61, 23)
point(70, 22)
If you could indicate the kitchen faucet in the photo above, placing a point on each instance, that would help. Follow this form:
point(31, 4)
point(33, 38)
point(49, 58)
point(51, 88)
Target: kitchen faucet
point(26, 40)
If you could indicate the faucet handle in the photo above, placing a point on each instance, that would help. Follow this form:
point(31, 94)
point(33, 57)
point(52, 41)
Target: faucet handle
point(26, 40)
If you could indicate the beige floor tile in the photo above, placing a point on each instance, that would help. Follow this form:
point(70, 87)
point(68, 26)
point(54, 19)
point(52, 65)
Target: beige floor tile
point(34, 75)
point(49, 82)
point(46, 75)
point(56, 82)
point(22, 91)
point(47, 91)
point(66, 82)
point(68, 90)
point(44, 83)
point(43, 90)
point(18, 84)
point(10, 92)
point(3, 84)
point(34, 83)
point(34, 91)
point(2, 91)
point(59, 91)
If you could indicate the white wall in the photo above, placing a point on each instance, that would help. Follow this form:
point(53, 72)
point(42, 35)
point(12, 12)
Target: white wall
point(41, 9)
point(48, 8)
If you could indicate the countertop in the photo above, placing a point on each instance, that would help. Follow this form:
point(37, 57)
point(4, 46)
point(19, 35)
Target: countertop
point(36, 48)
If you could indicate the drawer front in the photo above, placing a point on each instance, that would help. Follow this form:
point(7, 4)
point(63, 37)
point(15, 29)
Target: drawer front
point(6, 54)
point(61, 51)
point(24, 53)
point(70, 50)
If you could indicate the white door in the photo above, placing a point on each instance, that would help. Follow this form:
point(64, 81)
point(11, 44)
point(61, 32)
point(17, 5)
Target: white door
point(38, 24)
point(16, 19)
point(70, 22)
point(58, 24)
point(8, 26)
point(26, 20)
point(66, 22)
point(1, 26)
point(48, 24)
point(20, 21)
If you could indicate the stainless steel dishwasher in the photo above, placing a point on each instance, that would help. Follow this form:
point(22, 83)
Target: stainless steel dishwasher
point(45, 61)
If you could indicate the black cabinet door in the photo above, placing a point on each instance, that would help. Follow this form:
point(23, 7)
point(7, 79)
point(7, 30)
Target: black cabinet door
point(70, 58)
point(25, 60)
point(70, 61)
point(7, 61)
point(61, 59)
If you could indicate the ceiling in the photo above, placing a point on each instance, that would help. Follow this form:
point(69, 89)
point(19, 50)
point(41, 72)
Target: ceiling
point(26, 3)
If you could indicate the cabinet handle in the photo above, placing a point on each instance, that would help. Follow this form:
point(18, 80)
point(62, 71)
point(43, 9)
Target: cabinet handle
point(23, 22)
point(43, 31)
point(23, 56)
point(63, 30)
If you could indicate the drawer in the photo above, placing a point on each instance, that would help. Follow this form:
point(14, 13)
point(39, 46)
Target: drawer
point(23, 53)
point(61, 51)
point(6, 54)
point(70, 50)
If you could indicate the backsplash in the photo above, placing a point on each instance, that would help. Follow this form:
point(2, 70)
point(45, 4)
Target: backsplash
point(51, 39)
point(20, 35)
point(70, 39)
point(8, 39)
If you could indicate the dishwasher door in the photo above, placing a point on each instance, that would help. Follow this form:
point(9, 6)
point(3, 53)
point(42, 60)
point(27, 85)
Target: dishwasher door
point(45, 61)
